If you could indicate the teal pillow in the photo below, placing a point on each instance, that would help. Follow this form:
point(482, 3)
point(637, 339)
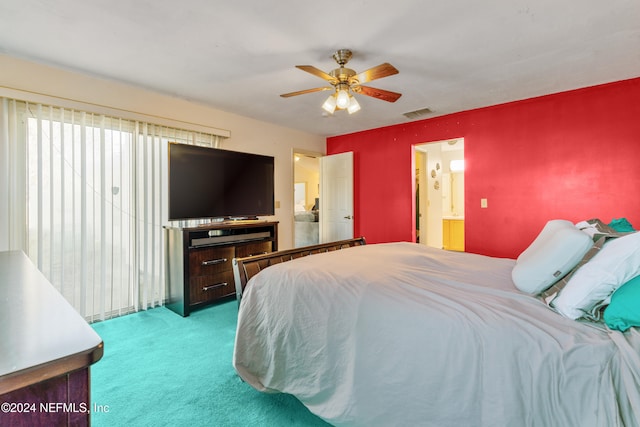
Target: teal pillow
point(621, 225)
point(623, 311)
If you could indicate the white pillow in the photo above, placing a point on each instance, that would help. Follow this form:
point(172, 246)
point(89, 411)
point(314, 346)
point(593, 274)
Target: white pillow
point(557, 249)
point(616, 263)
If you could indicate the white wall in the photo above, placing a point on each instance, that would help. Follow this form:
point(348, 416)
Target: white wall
point(27, 80)
point(307, 171)
point(434, 209)
point(454, 196)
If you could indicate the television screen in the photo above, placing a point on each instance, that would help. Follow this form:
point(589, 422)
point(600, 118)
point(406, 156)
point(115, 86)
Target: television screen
point(213, 183)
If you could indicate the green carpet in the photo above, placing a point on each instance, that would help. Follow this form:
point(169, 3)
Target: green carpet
point(162, 369)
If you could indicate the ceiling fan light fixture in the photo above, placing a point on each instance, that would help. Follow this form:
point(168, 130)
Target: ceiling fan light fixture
point(345, 81)
point(342, 99)
point(330, 104)
point(354, 105)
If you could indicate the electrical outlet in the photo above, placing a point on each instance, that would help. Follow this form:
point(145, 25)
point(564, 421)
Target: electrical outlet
point(483, 203)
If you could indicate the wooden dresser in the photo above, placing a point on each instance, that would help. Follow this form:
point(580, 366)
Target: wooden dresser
point(200, 260)
point(46, 349)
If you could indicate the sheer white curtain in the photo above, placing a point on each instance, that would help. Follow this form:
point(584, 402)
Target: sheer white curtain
point(84, 195)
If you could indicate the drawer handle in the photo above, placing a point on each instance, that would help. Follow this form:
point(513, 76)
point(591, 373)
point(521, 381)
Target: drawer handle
point(214, 261)
point(259, 253)
point(216, 286)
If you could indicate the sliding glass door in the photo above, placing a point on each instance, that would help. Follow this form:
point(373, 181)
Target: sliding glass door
point(94, 203)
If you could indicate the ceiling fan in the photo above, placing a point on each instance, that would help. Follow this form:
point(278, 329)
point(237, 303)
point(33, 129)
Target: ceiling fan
point(345, 81)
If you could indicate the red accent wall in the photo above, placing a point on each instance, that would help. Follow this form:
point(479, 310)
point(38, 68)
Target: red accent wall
point(573, 155)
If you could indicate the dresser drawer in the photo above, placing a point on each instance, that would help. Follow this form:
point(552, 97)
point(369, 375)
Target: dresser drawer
point(257, 248)
point(199, 260)
point(208, 261)
point(209, 288)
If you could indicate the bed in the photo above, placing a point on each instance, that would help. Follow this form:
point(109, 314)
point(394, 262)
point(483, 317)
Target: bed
point(400, 334)
point(306, 228)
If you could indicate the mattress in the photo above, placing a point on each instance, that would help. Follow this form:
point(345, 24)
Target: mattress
point(403, 334)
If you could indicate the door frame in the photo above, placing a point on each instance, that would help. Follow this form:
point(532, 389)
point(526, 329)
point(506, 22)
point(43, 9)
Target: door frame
point(294, 152)
point(432, 205)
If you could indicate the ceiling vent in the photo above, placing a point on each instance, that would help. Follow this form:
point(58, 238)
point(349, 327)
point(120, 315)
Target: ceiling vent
point(412, 115)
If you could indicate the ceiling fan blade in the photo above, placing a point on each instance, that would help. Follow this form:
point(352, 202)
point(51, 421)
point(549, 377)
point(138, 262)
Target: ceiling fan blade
point(378, 72)
point(302, 92)
point(318, 73)
point(385, 95)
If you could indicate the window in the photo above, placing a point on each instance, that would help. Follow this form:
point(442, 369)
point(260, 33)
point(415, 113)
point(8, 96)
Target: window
point(94, 203)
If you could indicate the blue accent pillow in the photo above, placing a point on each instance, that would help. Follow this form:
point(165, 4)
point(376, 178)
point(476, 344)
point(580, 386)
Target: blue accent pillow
point(621, 225)
point(623, 311)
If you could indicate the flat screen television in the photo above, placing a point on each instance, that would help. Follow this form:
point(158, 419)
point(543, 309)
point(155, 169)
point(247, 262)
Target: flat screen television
point(211, 183)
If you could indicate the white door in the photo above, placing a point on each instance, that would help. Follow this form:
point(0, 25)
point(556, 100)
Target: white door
point(336, 197)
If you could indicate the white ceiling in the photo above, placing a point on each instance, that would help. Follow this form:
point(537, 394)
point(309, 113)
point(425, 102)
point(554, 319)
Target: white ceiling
point(240, 56)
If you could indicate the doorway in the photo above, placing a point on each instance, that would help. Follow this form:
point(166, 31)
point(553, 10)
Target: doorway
point(439, 175)
point(306, 187)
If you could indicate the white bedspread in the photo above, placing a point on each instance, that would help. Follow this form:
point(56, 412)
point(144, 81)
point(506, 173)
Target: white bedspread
point(400, 334)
